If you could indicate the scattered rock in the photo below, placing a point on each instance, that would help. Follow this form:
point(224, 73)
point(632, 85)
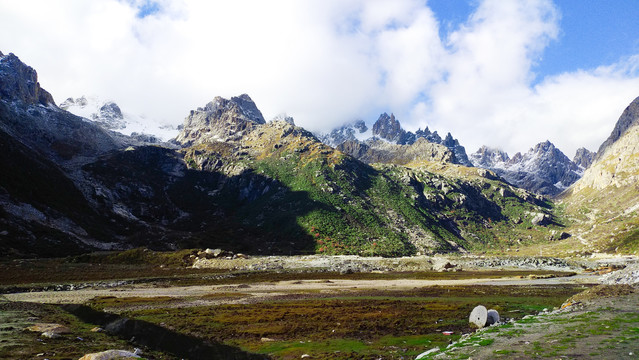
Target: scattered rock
point(110, 355)
point(564, 235)
point(628, 275)
point(50, 330)
point(541, 219)
point(213, 252)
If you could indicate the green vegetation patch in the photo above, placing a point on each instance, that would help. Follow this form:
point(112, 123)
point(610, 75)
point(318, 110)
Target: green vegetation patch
point(371, 322)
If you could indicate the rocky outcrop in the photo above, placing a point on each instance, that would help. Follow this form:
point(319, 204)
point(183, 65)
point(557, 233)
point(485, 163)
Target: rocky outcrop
point(583, 158)
point(628, 119)
point(20, 82)
point(618, 167)
point(388, 128)
point(457, 149)
point(220, 120)
point(379, 151)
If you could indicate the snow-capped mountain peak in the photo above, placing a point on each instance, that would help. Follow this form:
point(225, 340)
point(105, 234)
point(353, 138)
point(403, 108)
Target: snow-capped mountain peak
point(543, 169)
point(108, 115)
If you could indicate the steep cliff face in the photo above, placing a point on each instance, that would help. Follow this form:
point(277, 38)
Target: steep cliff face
point(20, 83)
point(629, 118)
point(388, 128)
point(43, 208)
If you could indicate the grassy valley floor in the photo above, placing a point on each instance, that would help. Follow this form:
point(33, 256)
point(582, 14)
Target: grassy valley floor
point(287, 314)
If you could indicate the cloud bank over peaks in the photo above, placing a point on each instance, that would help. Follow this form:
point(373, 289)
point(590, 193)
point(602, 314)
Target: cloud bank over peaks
point(326, 63)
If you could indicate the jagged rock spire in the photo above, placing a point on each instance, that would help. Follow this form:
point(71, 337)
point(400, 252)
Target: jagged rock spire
point(20, 82)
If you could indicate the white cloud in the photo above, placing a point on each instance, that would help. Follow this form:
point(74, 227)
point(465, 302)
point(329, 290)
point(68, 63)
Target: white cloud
point(325, 62)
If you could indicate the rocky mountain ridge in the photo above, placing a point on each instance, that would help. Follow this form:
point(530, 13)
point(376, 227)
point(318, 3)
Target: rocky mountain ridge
point(584, 158)
point(388, 129)
point(543, 169)
point(628, 119)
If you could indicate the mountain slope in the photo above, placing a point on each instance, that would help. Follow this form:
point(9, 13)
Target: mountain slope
point(341, 205)
point(43, 209)
point(604, 202)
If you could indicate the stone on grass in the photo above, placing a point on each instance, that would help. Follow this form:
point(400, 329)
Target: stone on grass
point(50, 330)
point(110, 355)
point(478, 316)
point(492, 317)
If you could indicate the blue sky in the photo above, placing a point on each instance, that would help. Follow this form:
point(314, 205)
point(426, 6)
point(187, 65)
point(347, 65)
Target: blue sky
point(592, 32)
point(502, 73)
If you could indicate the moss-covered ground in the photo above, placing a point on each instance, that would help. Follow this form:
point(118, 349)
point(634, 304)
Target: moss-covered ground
point(16, 343)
